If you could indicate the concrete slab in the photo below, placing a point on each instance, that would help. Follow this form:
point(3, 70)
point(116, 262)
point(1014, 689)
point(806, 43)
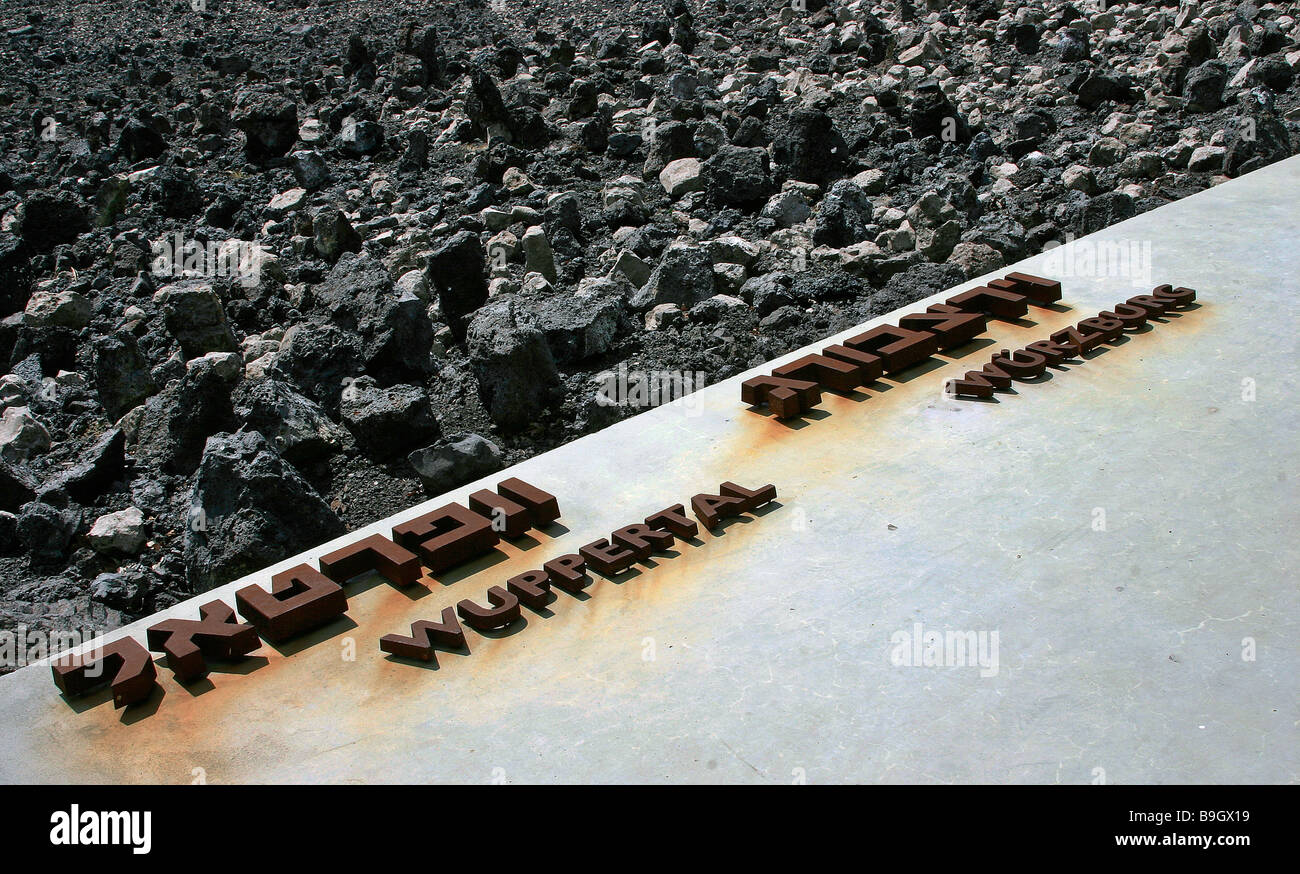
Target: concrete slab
point(766, 653)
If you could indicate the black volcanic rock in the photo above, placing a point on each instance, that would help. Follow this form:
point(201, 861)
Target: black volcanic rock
point(249, 508)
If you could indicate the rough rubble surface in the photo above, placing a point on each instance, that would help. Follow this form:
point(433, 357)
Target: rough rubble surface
point(273, 269)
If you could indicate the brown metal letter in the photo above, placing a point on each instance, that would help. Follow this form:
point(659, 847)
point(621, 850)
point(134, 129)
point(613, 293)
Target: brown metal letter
point(952, 329)
point(447, 536)
point(995, 302)
point(827, 372)
point(301, 598)
point(1020, 364)
point(674, 519)
point(425, 636)
point(1109, 328)
point(216, 634)
point(493, 506)
point(374, 553)
point(608, 558)
point(898, 347)
point(642, 540)
point(1178, 297)
point(504, 610)
point(1154, 306)
point(784, 397)
point(124, 664)
point(871, 367)
point(542, 506)
point(752, 498)
point(1078, 340)
point(1036, 288)
point(712, 509)
point(1132, 316)
point(1053, 352)
point(532, 588)
point(974, 384)
point(569, 572)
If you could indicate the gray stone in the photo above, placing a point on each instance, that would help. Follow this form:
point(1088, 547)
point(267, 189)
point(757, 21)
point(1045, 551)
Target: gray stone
point(871, 181)
point(768, 293)
point(387, 421)
point(119, 590)
point(21, 435)
point(582, 327)
point(681, 176)
point(50, 218)
point(512, 361)
point(269, 121)
point(333, 234)
point(665, 315)
point(538, 256)
point(451, 463)
point(169, 430)
point(1105, 152)
point(1207, 159)
point(457, 272)
point(1204, 86)
point(95, 470)
point(684, 276)
point(64, 309)
point(120, 532)
point(17, 485)
point(842, 216)
point(1079, 178)
point(46, 530)
point(309, 168)
point(787, 209)
point(975, 259)
point(360, 137)
point(937, 243)
point(738, 176)
point(195, 317)
point(394, 327)
point(249, 508)
point(670, 141)
point(286, 202)
point(633, 268)
point(295, 424)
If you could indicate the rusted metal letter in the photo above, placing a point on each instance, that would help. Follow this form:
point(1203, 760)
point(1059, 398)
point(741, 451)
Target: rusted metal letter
point(642, 540)
point(569, 572)
point(301, 598)
point(607, 558)
point(216, 634)
point(447, 536)
point(786, 398)
point(674, 519)
point(425, 636)
point(542, 506)
point(898, 347)
point(124, 664)
point(827, 372)
point(515, 517)
point(374, 553)
point(532, 588)
point(503, 612)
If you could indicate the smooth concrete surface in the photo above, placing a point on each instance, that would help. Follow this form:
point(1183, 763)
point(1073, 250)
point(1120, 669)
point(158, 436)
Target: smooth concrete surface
point(762, 654)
